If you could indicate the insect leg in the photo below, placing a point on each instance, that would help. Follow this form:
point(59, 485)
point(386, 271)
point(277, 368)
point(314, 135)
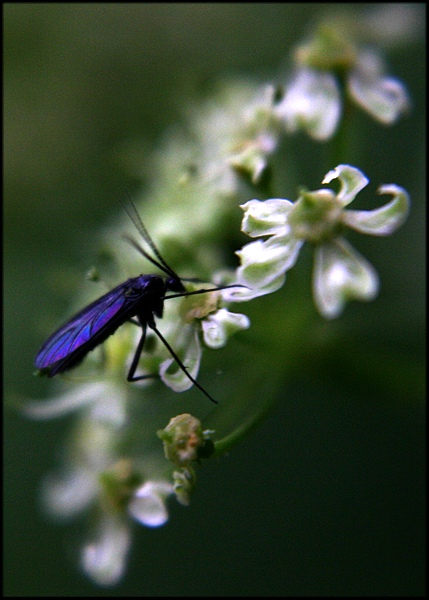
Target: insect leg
point(130, 376)
point(179, 362)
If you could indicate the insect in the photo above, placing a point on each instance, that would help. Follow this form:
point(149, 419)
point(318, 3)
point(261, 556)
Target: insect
point(142, 297)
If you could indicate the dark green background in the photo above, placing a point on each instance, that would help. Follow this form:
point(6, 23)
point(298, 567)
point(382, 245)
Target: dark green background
point(327, 497)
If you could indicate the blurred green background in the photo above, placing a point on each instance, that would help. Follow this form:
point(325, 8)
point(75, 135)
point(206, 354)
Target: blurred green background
point(327, 497)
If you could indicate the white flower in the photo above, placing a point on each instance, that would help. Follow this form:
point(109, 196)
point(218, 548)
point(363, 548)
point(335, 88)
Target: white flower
point(319, 217)
point(330, 68)
point(311, 102)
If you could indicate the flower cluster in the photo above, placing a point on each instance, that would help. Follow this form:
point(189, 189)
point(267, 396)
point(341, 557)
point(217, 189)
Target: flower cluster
point(119, 487)
point(96, 475)
point(318, 217)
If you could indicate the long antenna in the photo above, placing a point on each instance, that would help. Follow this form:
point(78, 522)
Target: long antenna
point(161, 267)
point(131, 211)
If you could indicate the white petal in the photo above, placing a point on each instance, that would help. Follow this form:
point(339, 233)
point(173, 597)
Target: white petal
point(111, 409)
point(352, 181)
point(246, 293)
point(311, 102)
point(264, 261)
point(252, 158)
point(80, 396)
point(218, 327)
point(384, 220)
point(385, 98)
point(265, 218)
point(176, 379)
point(69, 494)
point(105, 559)
point(263, 267)
point(341, 274)
point(148, 503)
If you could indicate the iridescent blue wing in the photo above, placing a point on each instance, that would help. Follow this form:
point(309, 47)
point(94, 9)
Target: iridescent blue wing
point(95, 323)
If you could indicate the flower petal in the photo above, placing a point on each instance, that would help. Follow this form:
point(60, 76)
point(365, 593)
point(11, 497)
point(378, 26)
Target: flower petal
point(176, 379)
point(341, 274)
point(385, 98)
point(263, 262)
point(253, 157)
point(218, 327)
point(352, 181)
point(69, 494)
point(384, 220)
point(265, 218)
point(79, 397)
point(311, 102)
point(244, 294)
point(104, 560)
point(148, 503)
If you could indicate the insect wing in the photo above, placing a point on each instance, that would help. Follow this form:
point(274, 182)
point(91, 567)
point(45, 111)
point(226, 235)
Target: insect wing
point(83, 328)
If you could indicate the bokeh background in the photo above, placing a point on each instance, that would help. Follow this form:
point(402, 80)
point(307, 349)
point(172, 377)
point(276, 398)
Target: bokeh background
point(327, 497)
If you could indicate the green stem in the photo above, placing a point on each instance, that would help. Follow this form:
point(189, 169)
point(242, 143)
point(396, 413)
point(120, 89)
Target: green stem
point(341, 142)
